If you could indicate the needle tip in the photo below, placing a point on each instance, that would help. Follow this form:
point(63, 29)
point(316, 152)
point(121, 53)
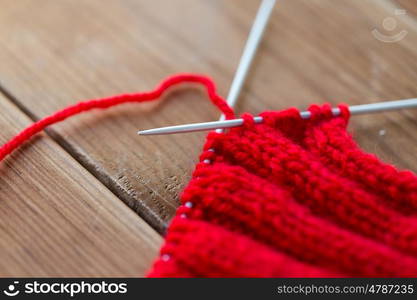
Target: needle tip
point(142, 132)
point(154, 131)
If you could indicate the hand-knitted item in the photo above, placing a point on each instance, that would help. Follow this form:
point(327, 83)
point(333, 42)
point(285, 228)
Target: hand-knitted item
point(292, 197)
point(286, 198)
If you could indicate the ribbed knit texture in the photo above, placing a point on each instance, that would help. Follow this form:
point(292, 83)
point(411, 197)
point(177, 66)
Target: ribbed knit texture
point(292, 197)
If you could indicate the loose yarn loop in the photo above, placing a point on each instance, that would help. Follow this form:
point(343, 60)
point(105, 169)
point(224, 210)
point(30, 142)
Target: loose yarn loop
point(285, 198)
point(292, 197)
point(105, 103)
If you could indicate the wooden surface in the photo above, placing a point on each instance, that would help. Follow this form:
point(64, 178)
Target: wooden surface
point(54, 53)
point(58, 220)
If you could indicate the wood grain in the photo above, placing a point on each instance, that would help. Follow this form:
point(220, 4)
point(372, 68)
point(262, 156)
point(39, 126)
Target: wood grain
point(56, 219)
point(54, 53)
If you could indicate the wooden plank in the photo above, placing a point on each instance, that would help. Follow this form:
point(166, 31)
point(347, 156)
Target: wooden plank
point(54, 53)
point(56, 219)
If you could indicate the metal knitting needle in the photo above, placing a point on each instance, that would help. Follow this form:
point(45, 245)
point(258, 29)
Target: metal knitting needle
point(252, 44)
point(249, 51)
point(354, 110)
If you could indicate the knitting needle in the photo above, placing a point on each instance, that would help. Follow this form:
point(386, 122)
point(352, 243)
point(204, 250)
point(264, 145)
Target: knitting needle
point(249, 51)
point(252, 44)
point(354, 110)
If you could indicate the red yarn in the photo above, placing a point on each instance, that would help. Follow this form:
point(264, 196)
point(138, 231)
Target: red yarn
point(286, 198)
point(105, 103)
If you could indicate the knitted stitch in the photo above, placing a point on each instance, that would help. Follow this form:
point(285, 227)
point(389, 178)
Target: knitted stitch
point(285, 198)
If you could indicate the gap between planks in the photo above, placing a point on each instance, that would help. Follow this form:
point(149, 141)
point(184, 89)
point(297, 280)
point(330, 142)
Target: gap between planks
point(58, 220)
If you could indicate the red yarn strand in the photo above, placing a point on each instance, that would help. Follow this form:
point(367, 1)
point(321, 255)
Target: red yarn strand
point(105, 103)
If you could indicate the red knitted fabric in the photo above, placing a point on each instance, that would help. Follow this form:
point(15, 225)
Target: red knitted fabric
point(292, 197)
point(286, 198)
